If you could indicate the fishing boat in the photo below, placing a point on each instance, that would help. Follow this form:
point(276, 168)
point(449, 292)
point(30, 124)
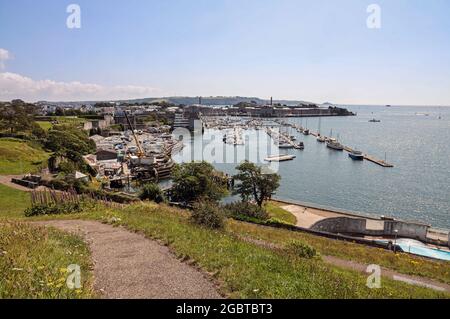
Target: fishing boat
point(306, 132)
point(321, 139)
point(356, 155)
point(335, 145)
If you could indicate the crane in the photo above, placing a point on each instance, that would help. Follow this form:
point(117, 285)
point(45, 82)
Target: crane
point(140, 152)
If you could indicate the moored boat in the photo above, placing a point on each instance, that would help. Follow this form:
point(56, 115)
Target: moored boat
point(335, 145)
point(356, 155)
point(280, 158)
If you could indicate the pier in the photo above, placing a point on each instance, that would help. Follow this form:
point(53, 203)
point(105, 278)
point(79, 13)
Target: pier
point(346, 148)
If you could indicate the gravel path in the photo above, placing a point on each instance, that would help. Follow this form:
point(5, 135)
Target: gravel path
point(128, 265)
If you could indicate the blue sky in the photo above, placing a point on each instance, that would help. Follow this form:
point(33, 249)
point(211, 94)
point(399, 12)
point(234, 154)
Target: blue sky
point(316, 50)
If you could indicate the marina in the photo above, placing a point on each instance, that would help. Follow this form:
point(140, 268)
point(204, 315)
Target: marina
point(331, 175)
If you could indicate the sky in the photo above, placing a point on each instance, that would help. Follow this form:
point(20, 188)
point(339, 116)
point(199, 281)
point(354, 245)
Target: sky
point(317, 50)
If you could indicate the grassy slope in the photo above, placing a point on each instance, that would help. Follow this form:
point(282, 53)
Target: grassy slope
point(18, 157)
point(275, 211)
point(246, 270)
point(34, 261)
point(13, 202)
point(401, 262)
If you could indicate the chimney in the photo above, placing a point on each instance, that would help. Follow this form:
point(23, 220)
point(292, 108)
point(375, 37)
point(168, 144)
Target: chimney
point(200, 100)
point(271, 101)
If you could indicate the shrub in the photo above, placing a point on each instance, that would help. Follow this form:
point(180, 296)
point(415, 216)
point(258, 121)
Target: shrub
point(301, 249)
point(153, 192)
point(245, 211)
point(53, 209)
point(207, 214)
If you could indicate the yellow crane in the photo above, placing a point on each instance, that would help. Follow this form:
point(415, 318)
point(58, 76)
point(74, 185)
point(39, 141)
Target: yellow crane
point(140, 152)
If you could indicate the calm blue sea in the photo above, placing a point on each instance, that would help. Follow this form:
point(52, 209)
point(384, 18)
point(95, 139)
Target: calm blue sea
point(417, 188)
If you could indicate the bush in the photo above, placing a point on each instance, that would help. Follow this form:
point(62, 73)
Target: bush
point(207, 214)
point(301, 250)
point(152, 192)
point(245, 211)
point(54, 209)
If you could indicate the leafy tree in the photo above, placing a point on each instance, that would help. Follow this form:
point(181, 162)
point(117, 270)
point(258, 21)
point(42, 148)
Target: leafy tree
point(198, 180)
point(153, 192)
point(70, 143)
point(255, 184)
point(16, 116)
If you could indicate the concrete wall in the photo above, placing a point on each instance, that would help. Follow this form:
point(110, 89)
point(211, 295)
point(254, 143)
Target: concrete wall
point(406, 230)
point(356, 226)
point(343, 225)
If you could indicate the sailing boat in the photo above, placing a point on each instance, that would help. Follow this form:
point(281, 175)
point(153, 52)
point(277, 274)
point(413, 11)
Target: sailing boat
point(320, 138)
point(334, 144)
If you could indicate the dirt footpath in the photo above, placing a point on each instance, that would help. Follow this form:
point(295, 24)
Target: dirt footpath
point(128, 265)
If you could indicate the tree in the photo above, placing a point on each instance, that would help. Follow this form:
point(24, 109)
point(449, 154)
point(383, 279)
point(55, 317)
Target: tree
point(255, 184)
point(69, 143)
point(198, 180)
point(16, 116)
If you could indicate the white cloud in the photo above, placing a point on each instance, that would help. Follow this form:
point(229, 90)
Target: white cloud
point(4, 56)
point(16, 86)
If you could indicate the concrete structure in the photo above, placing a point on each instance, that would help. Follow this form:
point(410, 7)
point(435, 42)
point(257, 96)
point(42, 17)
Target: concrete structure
point(367, 227)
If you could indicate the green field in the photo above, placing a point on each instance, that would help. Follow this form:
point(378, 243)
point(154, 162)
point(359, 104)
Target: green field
point(34, 261)
point(13, 202)
point(19, 157)
point(45, 125)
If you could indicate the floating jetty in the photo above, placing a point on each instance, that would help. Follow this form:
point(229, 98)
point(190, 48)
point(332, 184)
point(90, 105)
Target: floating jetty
point(346, 148)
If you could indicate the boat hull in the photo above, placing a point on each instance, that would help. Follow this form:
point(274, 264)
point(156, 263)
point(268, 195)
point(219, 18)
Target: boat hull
point(356, 157)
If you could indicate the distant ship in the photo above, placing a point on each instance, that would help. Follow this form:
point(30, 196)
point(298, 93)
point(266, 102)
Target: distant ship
point(356, 155)
point(374, 121)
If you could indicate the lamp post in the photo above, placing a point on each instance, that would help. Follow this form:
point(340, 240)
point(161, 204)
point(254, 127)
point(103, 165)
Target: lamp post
point(395, 240)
